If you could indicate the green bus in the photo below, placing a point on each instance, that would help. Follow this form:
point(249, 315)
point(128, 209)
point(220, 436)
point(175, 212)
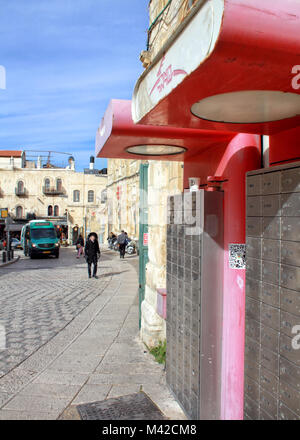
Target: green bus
point(39, 237)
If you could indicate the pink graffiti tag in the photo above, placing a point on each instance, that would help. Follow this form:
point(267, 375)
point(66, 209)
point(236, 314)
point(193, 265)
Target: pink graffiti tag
point(165, 77)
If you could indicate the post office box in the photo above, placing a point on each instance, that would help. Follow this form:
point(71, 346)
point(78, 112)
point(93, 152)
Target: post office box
point(270, 316)
point(290, 301)
point(195, 381)
point(187, 320)
point(253, 268)
point(253, 288)
point(290, 253)
point(269, 360)
point(290, 180)
point(187, 290)
point(271, 205)
point(270, 338)
point(194, 406)
point(254, 185)
point(254, 226)
point(195, 292)
point(270, 272)
point(290, 205)
point(290, 277)
point(271, 183)
point(252, 328)
point(287, 322)
point(270, 249)
point(286, 349)
point(290, 228)
point(269, 403)
point(284, 413)
point(265, 416)
point(290, 397)
point(271, 227)
point(252, 350)
point(196, 266)
point(269, 381)
point(254, 206)
point(187, 306)
point(252, 369)
point(253, 309)
point(251, 408)
point(187, 247)
point(270, 294)
point(289, 373)
point(251, 388)
point(253, 247)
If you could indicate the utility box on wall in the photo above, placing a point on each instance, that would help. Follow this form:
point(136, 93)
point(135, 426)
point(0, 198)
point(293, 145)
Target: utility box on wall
point(195, 259)
point(272, 347)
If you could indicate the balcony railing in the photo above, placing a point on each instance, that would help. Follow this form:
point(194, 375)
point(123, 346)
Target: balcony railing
point(20, 192)
point(53, 191)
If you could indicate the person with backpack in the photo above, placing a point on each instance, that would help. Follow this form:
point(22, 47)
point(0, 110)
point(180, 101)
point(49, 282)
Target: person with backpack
point(122, 243)
point(92, 253)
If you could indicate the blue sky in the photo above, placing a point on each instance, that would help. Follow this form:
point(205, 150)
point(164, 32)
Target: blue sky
point(64, 61)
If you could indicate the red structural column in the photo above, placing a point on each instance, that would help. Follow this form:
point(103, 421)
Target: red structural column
point(241, 155)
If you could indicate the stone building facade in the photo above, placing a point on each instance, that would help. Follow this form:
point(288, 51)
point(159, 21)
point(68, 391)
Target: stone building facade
point(123, 196)
point(74, 200)
point(165, 16)
point(164, 178)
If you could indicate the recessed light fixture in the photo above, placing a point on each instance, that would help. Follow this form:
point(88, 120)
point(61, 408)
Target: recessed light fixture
point(156, 150)
point(248, 107)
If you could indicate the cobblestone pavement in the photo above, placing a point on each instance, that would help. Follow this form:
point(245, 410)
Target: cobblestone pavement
point(74, 340)
point(40, 297)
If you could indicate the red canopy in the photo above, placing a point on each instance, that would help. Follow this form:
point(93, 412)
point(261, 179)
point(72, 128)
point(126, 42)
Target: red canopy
point(117, 133)
point(234, 66)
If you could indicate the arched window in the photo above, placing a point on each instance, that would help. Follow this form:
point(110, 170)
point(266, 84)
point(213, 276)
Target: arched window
point(20, 186)
point(90, 196)
point(58, 184)
point(50, 210)
point(56, 211)
point(47, 183)
point(19, 212)
point(76, 195)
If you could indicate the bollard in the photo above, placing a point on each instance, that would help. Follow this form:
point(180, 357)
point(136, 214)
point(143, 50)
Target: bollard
point(3, 257)
point(12, 254)
point(8, 255)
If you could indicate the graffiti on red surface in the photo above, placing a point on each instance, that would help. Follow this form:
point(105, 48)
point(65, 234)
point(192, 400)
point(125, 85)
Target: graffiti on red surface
point(165, 77)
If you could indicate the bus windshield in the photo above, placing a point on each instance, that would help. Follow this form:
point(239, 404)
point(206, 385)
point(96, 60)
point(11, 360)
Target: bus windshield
point(43, 233)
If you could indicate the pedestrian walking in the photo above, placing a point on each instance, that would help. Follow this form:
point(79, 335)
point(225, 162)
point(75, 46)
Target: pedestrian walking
point(80, 246)
point(122, 243)
point(92, 253)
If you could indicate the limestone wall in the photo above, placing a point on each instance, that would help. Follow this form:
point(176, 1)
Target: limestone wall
point(163, 26)
point(123, 196)
point(165, 178)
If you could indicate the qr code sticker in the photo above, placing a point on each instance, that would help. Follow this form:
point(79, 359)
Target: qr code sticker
point(237, 256)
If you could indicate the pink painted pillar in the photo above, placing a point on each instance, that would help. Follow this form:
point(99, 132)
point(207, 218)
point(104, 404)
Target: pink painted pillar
point(241, 155)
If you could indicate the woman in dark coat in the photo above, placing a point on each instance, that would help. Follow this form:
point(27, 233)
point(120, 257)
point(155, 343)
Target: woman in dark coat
point(92, 253)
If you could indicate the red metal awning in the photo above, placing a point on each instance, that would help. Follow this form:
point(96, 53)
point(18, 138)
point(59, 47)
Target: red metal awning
point(117, 133)
point(233, 65)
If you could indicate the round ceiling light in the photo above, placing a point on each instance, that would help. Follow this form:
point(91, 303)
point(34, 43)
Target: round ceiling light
point(248, 107)
point(155, 150)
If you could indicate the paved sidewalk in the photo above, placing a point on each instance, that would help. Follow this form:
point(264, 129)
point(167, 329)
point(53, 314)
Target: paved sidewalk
point(8, 262)
point(98, 355)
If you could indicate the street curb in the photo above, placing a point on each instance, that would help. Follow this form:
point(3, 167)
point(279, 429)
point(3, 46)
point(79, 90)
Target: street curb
point(10, 262)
